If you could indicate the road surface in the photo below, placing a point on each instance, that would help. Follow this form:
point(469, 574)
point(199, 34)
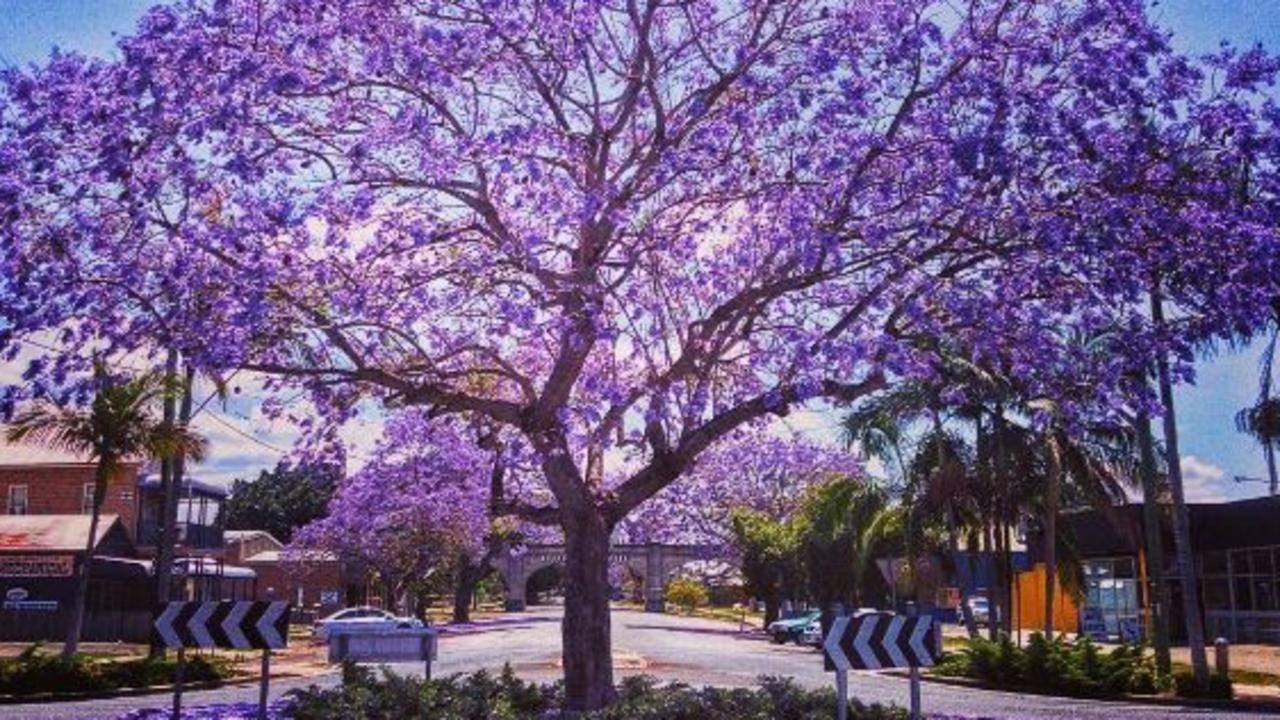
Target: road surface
point(690, 650)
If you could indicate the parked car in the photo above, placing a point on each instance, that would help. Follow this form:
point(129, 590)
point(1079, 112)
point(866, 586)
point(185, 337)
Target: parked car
point(812, 634)
point(792, 629)
point(981, 609)
point(361, 618)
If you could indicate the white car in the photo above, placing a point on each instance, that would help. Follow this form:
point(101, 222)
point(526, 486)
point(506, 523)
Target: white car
point(361, 618)
point(981, 609)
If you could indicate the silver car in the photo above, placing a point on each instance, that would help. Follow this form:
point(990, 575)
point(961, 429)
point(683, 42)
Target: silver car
point(361, 618)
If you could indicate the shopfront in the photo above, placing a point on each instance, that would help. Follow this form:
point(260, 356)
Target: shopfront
point(1112, 607)
point(1237, 554)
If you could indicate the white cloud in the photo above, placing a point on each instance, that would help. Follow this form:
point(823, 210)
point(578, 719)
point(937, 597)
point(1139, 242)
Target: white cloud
point(1205, 482)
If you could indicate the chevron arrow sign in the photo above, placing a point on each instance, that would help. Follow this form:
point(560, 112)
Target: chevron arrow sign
point(875, 641)
point(234, 624)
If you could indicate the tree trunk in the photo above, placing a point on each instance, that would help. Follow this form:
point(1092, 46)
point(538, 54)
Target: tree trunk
point(1052, 497)
point(772, 609)
point(1003, 513)
point(588, 655)
point(101, 476)
point(953, 547)
point(995, 547)
point(469, 576)
point(168, 538)
point(1158, 589)
point(1269, 451)
point(1181, 517)
point(1268, 440)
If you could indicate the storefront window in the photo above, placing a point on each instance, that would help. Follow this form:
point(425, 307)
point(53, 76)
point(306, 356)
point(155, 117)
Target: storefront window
point(1111, 599)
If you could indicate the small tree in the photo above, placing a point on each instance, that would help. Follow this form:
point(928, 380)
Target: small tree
point(842, 525)
point(769, 551)
point(687, 594)
point(281, 500)
point(116, 427)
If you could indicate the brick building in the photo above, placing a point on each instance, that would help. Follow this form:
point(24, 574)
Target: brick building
point(316, 583)
point(54, 489)
point(39, 481)
point(39, 559)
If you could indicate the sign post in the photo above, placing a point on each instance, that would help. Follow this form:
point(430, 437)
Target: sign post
point(177, 683)
point(385, 645)
point(878, 641)
point(231, 624)
point(914, 673)
point(266, 682)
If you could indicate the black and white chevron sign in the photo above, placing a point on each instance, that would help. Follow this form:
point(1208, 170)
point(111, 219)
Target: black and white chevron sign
point(236, 624)
point(875, 641)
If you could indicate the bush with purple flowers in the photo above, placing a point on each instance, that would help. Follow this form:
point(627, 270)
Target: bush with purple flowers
point(230, 711)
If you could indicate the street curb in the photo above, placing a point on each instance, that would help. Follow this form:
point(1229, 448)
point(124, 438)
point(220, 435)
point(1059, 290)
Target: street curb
point(139, 692)
point(1270, 708)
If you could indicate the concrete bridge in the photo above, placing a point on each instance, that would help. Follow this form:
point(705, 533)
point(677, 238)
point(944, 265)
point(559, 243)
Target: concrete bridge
point(655, 562)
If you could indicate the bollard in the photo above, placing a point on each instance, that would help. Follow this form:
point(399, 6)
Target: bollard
point(1222, 656)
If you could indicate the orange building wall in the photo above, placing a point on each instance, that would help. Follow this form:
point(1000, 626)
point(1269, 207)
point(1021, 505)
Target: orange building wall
point(1028, 604)
point(59, 490)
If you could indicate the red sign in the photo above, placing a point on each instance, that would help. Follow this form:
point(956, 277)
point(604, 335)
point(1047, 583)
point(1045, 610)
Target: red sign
point(37, 566)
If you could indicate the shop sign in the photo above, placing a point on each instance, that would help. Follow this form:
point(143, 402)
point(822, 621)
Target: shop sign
point(37, 566)
point(46, 605)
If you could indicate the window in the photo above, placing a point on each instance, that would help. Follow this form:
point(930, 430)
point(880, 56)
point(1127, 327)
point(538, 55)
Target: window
point(86, 500)
point(17, 499)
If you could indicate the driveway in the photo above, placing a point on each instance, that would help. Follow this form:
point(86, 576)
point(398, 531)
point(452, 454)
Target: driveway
point(672, 648)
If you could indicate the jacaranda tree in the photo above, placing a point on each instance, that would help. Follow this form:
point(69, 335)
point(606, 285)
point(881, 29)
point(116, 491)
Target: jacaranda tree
point(759, 472)
point(421, 512)
point(629, 227)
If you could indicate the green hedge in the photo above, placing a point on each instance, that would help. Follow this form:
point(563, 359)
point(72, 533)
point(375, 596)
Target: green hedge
point(484, 696)
point(1057, 666)
point(1220, 686)
point(35, 672)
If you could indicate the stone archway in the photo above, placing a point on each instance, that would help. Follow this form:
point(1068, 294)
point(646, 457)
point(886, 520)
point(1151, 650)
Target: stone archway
point(655, 561)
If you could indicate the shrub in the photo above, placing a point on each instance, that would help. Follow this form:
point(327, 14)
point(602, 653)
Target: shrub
point(1055, 665)
point(1220, 687)
point(35, 672)
point(482, 695)
point(687, 594)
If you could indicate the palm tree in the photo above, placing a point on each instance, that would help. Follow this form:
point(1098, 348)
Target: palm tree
point(1181, 515)
point(117, 426)
point(842, 525)
point(1262, 419)
point(1159, 599)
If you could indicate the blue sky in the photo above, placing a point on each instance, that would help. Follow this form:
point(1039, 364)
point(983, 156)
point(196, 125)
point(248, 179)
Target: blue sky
point(1213, 451)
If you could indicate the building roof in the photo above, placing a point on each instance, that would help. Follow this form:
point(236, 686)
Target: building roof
point(235, 536)
point(195, 567)
point(292, 556)
point(53, 533)
point(198, 487)
point(1214, 526)
point(33, 455)
point(1243, 523)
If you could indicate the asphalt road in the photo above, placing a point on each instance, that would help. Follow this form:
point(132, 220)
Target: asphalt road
point(694, 651)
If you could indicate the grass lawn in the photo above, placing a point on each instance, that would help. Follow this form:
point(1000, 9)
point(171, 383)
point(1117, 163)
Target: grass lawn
point(753, 620)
